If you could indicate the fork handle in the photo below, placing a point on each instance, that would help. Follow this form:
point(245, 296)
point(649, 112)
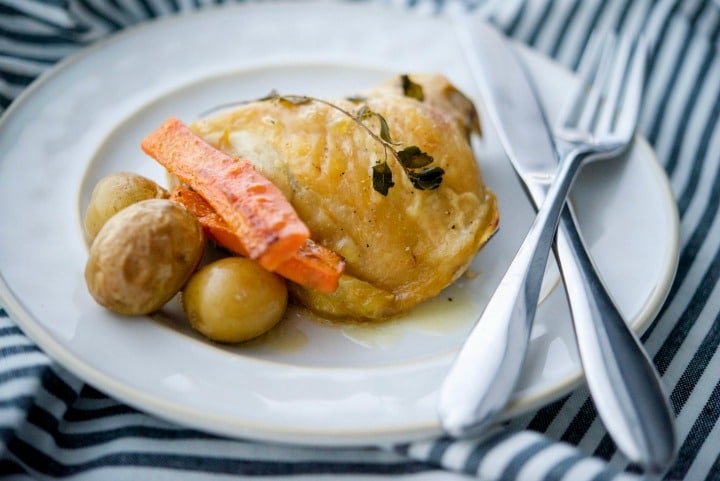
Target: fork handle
point(482, 378)
point(624, 384)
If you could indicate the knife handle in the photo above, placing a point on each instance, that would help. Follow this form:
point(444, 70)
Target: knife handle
point(623, 382)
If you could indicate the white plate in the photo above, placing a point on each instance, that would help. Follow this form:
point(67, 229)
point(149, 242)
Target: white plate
point(309, 382)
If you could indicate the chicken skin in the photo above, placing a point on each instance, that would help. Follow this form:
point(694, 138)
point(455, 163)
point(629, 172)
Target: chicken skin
point(333, 158)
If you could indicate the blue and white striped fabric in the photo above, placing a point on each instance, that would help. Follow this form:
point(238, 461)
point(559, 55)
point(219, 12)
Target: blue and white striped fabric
point(53, 425)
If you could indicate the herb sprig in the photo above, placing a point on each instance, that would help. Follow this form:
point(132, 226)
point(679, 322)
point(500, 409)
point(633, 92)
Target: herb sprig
point(412, 159)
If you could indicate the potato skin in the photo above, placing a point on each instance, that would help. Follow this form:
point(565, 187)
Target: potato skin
point(234, 299)
point(143, 256)
point(113, 193)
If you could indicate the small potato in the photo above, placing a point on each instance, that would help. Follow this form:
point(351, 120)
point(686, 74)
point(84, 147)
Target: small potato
point(115, 192)
point(234, 300)
point(143, 256)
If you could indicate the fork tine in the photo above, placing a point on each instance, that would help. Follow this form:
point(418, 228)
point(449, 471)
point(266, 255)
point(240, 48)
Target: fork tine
point(617, 77)
point(570, 110)
point(606, 102)
point(597, 84)
point(588, 68)
point(633, 92)
point(591, 57)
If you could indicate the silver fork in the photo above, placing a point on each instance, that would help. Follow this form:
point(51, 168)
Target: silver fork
point(624, 384)
point(596, 128)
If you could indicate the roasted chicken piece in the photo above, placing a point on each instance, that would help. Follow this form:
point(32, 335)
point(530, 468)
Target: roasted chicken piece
point(401, 247)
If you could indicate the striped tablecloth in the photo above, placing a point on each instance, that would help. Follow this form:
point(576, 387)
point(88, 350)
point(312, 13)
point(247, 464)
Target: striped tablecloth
point(53, 425)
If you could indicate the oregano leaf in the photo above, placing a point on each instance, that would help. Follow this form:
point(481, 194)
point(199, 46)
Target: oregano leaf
point(382, 178)
point(272, 95)
point(413, 158)
point(427, 179)
point(295, 99)
point(365, 113)
point(384, 129)
point(412, 89)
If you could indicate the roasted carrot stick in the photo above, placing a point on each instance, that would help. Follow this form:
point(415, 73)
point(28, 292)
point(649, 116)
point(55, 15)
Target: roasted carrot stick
point(213, 225)
point(312, 266)
point(253, 207)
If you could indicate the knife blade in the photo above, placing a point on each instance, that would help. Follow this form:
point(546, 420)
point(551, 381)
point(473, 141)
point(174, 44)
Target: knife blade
point(498, 342)
point(630, 402)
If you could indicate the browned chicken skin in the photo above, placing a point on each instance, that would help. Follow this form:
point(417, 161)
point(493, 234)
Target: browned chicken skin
point(401, 248)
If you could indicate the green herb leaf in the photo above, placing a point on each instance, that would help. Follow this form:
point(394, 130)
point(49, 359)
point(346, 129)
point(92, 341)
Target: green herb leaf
point(412, 89)
point(365, 113)
point(295, 99)
point(414, 158)
point(382, 178)
point(427, 179)
point(270, 96)
point(356, 98)
point(291, 99)
point(384, 130)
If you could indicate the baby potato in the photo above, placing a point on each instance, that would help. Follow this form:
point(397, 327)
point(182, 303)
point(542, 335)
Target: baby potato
point(115, 192)
point(234, 300)
point(143, 256)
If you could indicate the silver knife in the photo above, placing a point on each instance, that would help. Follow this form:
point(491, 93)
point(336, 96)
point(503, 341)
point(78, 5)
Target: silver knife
point(623, 382)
